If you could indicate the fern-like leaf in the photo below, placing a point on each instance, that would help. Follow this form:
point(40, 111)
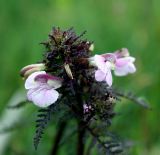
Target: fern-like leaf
point(44, 116)
point(130, 96)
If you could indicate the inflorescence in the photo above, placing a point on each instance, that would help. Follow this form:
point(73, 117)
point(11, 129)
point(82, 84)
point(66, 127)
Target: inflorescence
point(71, 75)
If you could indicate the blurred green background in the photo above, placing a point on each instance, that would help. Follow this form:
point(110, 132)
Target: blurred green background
point(111, 24)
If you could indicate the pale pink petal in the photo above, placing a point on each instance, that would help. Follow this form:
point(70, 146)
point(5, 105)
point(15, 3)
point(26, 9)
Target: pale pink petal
point(99, 75)
point(122, 71)
point(29, 94)
point(108, 67)
point(131, 68)
point(100, 61)
point(44, 97)
point(109, 78)
point(131, 59)
point(120, 62)
point(32, 92)
point(30, 81)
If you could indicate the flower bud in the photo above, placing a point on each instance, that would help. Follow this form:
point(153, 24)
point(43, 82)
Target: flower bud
point(123, 52)
point(68, 71)
point(91, 48)
point(86, 108)
point(29, 69)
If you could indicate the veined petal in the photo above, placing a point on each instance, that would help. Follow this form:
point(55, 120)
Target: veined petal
point(109, 78)
point(32, 92)
point(99, 75)
point(30, 81)
point(43, 97)
point(52, 81)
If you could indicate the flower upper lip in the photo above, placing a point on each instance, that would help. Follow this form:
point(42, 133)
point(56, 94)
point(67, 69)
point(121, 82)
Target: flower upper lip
point(29, 69)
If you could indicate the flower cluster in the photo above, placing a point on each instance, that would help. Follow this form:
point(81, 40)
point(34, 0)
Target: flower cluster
point(41, 85)
point(119, 61)
point(71, 75)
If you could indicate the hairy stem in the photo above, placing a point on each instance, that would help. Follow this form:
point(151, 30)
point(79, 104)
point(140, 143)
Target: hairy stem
point(81, 133)
point(58, 137)
point(81, 124)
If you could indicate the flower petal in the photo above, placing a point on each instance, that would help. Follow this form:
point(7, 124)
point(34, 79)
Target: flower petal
point(108, 66)
point(131, 68)
point(122, 71)
point(119, 71)
point(131, 59)
point(43, 97)
point(109, 78)
point(100, 62)
point(52, 81)
point(30, 81)
point(30, 93)
point(99, 75)
point(120, 62)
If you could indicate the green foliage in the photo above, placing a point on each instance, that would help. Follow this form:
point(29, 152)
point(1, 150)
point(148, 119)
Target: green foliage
point(111, 25)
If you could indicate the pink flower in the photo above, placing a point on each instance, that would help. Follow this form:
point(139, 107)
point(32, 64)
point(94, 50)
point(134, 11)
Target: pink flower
point(41, 88)
point(86, 108)
point(105, 64)
point(124, 63)
point(119, 61)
